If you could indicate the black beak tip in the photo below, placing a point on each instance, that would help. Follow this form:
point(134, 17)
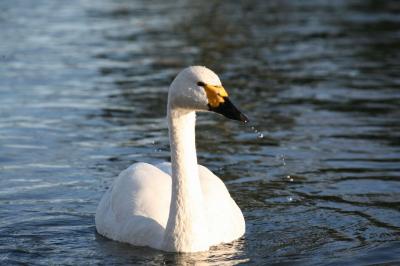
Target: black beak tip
point(243, 118)
point(228, 110)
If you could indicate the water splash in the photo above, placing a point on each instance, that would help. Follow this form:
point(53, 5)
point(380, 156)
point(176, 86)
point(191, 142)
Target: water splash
point(157, 146)
point(259, 134)
point(281, 158)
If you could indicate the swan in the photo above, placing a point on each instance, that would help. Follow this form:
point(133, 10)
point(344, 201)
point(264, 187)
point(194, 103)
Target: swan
point(179, 206)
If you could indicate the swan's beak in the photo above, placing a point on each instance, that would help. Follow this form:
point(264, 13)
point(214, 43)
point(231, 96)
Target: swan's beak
point(219, 102)
point(227, 109)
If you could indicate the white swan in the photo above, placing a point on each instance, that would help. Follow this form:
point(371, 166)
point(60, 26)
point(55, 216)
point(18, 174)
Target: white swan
point(179, 206)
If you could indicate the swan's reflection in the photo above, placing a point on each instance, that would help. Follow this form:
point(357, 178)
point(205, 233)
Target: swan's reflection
point(225, 254)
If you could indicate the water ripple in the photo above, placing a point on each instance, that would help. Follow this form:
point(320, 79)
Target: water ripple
point(83, 95)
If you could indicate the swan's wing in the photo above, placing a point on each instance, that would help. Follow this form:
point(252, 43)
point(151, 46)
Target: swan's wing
point(136, 208)
point(225, 219)
point(165, 167)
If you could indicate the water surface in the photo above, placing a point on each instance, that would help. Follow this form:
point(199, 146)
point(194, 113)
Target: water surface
point(83, 88)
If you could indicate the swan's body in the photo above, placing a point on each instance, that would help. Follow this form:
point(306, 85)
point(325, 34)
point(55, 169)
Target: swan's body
point(181, 206)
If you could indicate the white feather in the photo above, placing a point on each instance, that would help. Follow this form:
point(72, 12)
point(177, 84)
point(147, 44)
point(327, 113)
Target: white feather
point(179, 206)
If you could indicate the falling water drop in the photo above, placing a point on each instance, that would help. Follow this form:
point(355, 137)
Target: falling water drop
point(259, 134)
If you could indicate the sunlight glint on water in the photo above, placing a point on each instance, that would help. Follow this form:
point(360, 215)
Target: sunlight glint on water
point(83, 87)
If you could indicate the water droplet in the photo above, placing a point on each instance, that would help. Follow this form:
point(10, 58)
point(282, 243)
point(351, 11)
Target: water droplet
point(257, 132)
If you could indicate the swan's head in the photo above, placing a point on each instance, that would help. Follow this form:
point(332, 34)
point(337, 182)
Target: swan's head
point(198, 88)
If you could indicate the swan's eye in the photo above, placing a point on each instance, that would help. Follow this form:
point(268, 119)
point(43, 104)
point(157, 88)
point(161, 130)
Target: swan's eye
point(200, 83)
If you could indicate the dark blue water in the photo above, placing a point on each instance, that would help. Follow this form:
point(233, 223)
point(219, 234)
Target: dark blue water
point(83, 88)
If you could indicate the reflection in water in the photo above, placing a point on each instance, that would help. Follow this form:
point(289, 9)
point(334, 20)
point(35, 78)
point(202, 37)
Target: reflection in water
point(122, 253)
point(83, 95)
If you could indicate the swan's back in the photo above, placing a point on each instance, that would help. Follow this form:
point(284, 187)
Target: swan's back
point(225, 219)
point(135, 209)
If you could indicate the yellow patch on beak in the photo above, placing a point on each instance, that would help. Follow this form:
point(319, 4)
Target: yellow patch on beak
point(215, 94)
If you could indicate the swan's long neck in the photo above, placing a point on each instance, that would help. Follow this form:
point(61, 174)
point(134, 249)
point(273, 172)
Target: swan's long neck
point(186, 229)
